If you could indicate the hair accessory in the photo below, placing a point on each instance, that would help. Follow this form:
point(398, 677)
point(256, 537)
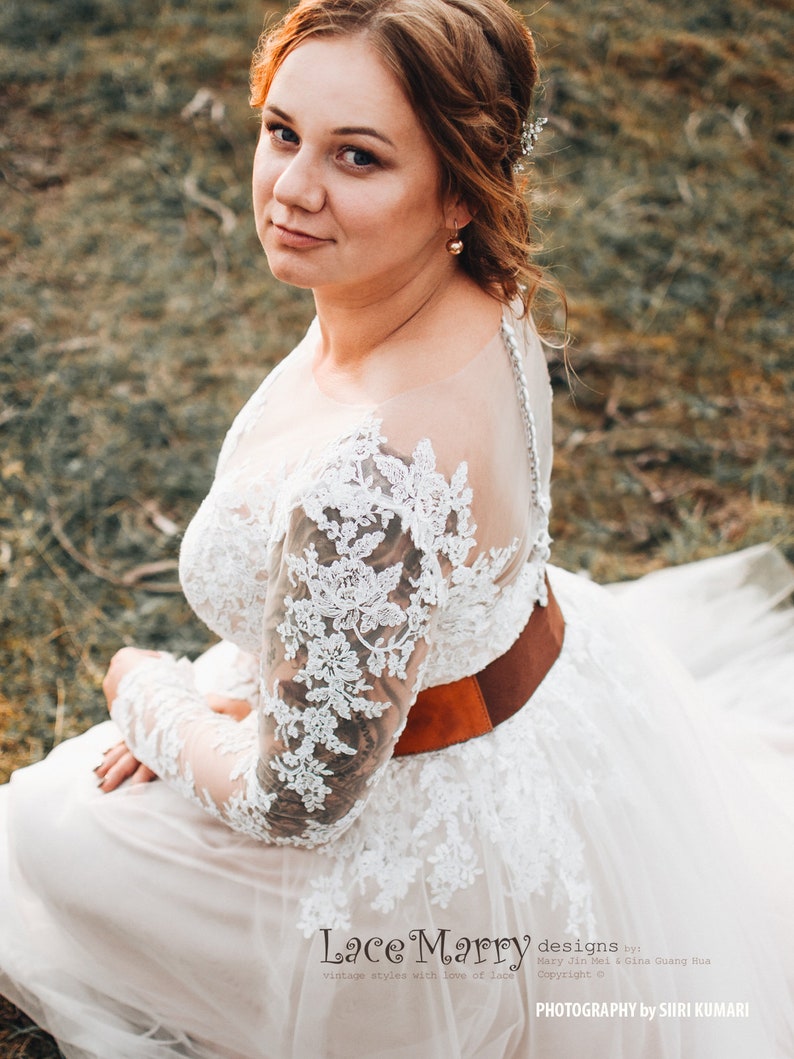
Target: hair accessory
point(530, 131)
point(455, 244)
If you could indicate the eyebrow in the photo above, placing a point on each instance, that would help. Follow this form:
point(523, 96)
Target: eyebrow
point(343, 130)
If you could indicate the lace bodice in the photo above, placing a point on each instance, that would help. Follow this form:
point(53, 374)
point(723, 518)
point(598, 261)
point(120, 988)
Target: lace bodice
point(353, 555)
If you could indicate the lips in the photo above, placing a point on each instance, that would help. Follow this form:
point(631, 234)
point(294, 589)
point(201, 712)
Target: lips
point(296, 239)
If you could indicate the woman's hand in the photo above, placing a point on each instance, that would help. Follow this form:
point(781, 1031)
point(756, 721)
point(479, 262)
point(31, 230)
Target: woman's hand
point(122, 663)
point(119, 765)
point(235, 708)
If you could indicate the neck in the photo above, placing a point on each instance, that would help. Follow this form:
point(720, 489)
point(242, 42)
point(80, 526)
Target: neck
point(421, 330)
point(355, 325)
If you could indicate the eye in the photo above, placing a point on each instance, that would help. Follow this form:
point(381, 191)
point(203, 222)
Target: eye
point(281, 133)
point(357, 157)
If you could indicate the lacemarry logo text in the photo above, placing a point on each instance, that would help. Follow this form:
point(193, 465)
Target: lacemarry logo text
point(420, 946)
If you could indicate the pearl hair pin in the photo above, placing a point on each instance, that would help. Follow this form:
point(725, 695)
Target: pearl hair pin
point(530, 131)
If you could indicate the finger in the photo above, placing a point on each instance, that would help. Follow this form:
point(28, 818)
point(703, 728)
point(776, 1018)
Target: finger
point(143, 775)
point(118, 773)
point(133, 654)
point(235, 708)
point(110, 758)
point(223, 706)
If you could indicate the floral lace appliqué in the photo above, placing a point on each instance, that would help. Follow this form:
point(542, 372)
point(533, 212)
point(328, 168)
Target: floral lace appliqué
point(367, 553)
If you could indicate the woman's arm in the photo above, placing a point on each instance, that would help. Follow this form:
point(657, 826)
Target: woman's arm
point(353, 584)
point(118, 763)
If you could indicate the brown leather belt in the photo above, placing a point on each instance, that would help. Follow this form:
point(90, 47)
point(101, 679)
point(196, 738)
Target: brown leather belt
point(453, 713)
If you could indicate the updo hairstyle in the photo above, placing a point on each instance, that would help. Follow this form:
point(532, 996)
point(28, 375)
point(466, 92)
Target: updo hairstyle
point(468, 69)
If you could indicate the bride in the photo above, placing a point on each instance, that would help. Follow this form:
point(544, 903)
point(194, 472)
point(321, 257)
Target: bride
point(428, 796)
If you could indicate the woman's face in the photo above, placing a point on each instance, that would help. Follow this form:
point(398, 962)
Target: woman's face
point(346, 182)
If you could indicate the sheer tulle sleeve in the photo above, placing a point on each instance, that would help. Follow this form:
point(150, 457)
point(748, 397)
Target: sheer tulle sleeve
point(359, 565)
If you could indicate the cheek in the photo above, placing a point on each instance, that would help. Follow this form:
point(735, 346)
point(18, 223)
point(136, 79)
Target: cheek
point(420, 202)
point(262, 181)
point(408, 207)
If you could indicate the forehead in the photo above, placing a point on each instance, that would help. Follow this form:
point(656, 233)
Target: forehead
point(342, 80)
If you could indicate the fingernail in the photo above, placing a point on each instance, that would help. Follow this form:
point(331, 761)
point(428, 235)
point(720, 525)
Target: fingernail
point(101, 782)
point(96, 768)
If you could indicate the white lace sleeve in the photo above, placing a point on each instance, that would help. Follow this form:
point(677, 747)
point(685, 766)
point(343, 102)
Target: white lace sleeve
point(357, 572)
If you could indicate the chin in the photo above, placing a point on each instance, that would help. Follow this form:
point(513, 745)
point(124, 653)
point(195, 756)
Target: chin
point(293, 273)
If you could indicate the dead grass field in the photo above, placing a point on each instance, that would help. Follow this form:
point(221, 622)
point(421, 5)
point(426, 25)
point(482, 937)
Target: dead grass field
point(137, 312)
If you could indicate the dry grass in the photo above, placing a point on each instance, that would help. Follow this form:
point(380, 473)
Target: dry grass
point(137, 313)
point(21, 1039)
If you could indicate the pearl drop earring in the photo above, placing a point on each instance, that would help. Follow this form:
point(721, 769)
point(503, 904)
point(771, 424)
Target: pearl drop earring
point(455, 244)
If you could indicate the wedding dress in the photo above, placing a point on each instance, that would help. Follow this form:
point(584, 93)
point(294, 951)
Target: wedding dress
point(610, 866)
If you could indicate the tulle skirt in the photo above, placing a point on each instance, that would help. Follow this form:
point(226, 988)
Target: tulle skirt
point(609, 870)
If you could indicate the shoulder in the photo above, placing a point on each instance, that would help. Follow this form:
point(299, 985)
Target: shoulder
point(253, 407)
point(363, 484)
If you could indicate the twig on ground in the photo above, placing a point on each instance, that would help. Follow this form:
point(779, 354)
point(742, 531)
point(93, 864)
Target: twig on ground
point(134, 578)
point(227, 217)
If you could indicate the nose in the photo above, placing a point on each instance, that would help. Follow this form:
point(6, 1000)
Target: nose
point(300, 183)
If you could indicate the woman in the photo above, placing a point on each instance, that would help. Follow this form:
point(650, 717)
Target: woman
point(341, 860)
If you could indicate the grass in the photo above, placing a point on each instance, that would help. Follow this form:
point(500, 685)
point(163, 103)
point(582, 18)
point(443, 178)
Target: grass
point(22, 1039)
point(137, 313)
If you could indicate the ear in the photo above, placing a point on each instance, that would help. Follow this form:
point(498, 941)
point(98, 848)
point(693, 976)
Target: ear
point(458, 213)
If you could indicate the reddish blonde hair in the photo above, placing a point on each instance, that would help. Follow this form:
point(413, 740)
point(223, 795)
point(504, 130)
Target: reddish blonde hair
point(468, 69)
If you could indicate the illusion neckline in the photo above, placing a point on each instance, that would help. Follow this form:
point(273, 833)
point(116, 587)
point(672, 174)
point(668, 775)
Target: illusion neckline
point(309, 351)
